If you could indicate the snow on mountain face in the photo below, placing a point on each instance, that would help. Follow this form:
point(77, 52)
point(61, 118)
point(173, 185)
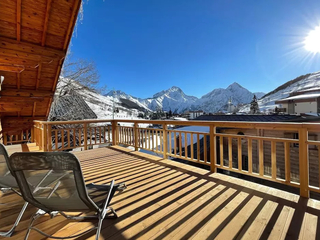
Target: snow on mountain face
point(302, 83)
point(218, 99)
point(173, 99)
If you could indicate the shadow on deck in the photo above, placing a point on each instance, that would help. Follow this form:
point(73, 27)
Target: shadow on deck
point(172, 200)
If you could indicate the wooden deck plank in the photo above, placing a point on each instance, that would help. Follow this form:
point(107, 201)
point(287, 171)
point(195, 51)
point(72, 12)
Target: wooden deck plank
point(171, 200)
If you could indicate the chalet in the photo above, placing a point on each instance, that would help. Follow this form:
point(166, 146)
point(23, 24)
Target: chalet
point(301, 102)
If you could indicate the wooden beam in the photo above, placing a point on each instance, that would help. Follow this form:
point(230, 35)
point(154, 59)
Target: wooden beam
point(46, 19)
point(72, 23)
point(29, 48)
point(38, 75)
point(25, 93)
point(18, 20)
point(57, 76)
point(11, 67)
point(6, 99)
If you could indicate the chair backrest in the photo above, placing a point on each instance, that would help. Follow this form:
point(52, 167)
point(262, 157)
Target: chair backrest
point(61, 186)
point(3, 161)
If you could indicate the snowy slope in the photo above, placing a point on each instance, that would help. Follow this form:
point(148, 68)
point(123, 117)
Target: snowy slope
point(302, 83)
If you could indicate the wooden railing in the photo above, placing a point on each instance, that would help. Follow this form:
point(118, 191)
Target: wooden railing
point(286, 153)
point(22, 136)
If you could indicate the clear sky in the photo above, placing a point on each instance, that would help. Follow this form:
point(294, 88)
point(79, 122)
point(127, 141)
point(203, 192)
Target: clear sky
point(144, 46)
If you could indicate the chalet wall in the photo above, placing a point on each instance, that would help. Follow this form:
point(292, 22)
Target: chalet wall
point(305, 107)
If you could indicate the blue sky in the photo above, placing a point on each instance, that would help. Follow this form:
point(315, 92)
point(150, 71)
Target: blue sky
point(144, 46)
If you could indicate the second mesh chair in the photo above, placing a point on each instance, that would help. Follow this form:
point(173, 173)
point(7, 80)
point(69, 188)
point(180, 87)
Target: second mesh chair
point(69, 194)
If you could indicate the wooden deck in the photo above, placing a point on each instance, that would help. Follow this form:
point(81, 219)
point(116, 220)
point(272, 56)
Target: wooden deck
point(170, 200)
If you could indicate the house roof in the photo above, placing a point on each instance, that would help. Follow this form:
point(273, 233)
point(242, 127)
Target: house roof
point(258, 118)
point(71, 107)
point(300, 97)
point(34, 37)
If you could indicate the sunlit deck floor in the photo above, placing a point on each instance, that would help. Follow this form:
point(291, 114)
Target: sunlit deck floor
point(170, 200)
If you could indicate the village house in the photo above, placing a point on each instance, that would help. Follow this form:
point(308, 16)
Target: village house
point(301, 102)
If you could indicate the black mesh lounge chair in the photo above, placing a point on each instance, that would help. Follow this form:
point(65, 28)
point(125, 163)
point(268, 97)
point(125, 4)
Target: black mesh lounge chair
point(8, 183)
point(69, 194)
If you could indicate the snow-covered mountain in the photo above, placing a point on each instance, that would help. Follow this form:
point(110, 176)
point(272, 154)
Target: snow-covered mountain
point(217, 100)
point(176, 100)
point(173, 99)
point(306, 82)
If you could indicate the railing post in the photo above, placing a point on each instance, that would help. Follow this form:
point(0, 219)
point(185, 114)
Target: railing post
point(44, 138)
point(49, 141)
point(136, 134)
point(303, 163)
point(85, 136)
point(114, 133)
point(165, 137)
point(213, 148)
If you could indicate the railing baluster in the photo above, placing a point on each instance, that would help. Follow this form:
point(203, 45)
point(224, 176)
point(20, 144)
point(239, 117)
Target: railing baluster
point(205, 148)
point(180, 144)
point(250, 155)
point(273, 159)
point(198, 147)
point(239, 154)
point(56, 139)
point(74, 137)
point(230, 151)
point(191, 147)
point(261, 165)
point(62, 139)
point(186, 145)
point(68, 132)
point(221, 151)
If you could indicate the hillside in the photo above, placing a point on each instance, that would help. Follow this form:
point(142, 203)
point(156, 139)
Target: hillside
point(302, 83)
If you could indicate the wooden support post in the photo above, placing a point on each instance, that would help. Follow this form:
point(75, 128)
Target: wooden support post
point(165, 141)
point(303, 163)
point(44, 138)
point(136, 134)
point(114, 133)
point(213, 149)
point(49, 138)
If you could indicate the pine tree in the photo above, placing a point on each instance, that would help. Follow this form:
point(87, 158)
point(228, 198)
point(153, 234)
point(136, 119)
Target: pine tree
point(254, 106)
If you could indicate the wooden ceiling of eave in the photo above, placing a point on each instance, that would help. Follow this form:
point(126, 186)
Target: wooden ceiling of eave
point(34, 37)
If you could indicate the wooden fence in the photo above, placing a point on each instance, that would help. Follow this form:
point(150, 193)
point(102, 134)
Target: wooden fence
point(212, 146)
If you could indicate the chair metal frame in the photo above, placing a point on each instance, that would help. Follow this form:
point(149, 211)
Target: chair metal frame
point(101, 212)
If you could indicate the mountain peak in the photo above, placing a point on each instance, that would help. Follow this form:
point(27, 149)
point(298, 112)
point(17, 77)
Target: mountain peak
point(233, 85)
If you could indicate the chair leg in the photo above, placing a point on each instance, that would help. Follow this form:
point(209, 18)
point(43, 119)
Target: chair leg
point(99, 227)
point(33, 218)
point(10, 232)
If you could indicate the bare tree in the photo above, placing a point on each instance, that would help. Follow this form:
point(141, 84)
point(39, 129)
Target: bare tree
point(78, 75)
